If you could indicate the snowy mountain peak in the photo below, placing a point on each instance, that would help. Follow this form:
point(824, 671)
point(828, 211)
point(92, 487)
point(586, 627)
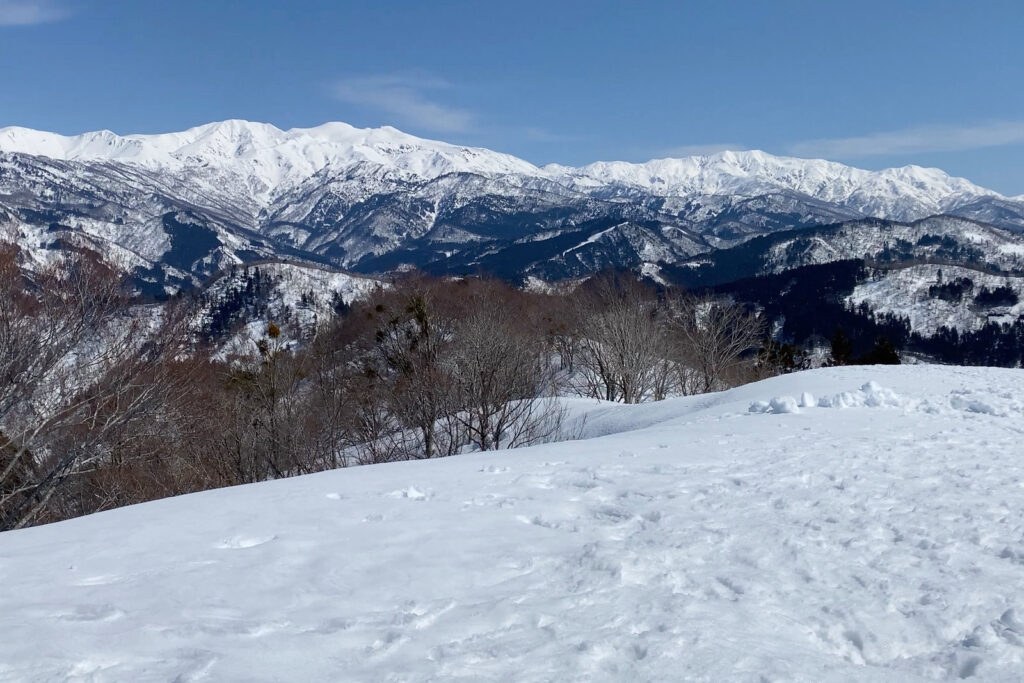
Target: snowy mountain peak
point(296, 153)
point(750, 172)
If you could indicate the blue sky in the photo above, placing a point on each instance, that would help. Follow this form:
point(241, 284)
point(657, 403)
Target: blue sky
point(873, 84)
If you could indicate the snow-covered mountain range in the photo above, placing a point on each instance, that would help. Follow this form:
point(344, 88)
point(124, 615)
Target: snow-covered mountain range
point(272, 162)
point(180, 206)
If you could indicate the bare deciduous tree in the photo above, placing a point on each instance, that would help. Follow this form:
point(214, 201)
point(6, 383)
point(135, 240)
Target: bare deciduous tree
point(622, 343)
point(503, 379)
point(80, 372)
point(714, 340)
point(413, 359)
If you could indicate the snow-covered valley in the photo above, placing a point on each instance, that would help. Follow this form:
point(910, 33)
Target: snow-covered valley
point(872, 534)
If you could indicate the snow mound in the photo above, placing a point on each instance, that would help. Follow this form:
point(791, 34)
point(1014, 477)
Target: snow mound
point(410, 493)
point(871, 395)
point(686, 540)
point(777, 405)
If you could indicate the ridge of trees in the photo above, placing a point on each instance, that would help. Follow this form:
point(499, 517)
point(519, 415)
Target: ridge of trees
point(104, 402)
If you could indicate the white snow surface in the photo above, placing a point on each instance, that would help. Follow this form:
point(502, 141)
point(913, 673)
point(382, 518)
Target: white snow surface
point(873, 533)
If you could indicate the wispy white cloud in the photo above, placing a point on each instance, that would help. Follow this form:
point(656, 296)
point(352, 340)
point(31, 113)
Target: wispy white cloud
point(702, 150)
point(29, 12)
point(914, 140)
point(410, 99)
point(536, 134)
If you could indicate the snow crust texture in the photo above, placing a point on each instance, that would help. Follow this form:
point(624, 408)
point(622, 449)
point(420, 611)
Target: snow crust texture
point(865, 526)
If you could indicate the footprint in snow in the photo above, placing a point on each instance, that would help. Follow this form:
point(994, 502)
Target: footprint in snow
point(609, 514)
point(730, 585)
point(537, 520)
point(238, 542)
point(421, 618)
point(92, 613)
point(388, 641)
point(100, 580)
point(411, 493)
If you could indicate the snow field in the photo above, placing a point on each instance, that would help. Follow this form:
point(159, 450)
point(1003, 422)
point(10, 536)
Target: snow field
point(872, 534)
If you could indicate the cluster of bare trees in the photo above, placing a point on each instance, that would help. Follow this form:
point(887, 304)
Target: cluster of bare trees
point(627, 344)
point(105, 403)
point(448, 365)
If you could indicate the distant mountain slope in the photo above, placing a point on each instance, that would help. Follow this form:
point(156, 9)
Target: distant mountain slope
point(937, 239)
point(238, 304)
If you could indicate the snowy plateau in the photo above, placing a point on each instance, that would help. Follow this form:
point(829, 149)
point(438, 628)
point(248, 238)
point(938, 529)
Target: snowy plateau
point(842, 524)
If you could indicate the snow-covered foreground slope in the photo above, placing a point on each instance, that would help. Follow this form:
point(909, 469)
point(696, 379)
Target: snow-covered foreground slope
point(877, 538)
